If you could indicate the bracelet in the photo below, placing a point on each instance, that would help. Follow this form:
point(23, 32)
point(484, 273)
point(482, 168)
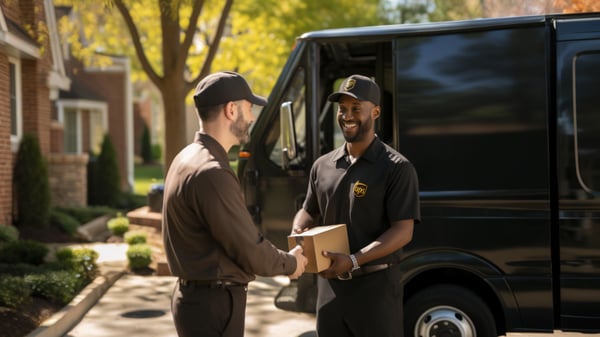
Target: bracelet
point(355, 265)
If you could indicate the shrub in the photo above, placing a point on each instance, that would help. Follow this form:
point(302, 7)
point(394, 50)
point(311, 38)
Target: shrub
point(118, 225)
point(139, 256)
point(89, 213)
point(30, 252)
point(64, 221)
point(105, 181)
point(156, 152)
point(18, 269)
point(146, 146)
point(32, 185)
point(14, 291)
point(59, 286)
point(136, 237)
point(131, 201)
point(82, 261)
point(8, 233)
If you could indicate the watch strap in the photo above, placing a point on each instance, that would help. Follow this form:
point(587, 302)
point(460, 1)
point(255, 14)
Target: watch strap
point(355, 265)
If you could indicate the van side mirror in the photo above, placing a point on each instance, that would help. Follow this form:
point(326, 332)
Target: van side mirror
point(288, 133)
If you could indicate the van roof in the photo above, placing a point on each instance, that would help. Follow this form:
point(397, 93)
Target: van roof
point(428, 28)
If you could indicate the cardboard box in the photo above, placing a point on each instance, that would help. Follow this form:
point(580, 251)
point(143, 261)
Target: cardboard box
point(333, 238)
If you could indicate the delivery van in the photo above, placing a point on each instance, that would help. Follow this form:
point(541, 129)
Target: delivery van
point(501, 119)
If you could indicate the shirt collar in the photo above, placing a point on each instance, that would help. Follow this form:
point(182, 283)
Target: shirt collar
point(213, 145)
point(370, 154)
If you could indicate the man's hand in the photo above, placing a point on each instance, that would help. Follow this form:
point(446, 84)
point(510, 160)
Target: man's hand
point(302, 222)
point(301, 262)
point(340, 263)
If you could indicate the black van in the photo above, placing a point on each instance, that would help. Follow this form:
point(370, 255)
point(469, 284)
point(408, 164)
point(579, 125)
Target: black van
point(501, 118)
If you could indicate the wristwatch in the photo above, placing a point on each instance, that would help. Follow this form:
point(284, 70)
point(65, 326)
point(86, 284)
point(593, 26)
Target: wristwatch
point(355, 265)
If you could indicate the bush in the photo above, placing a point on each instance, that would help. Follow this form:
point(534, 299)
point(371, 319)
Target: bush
point(8, 234)
point(57, 281)
point(118, 225)
point(136, 237)
point(64, 221)
point(139, 256)
point(156, 152)
point(30, 252)
point(89, 213)
point(131, 201)
point(18, 269)
point(82, 261)
point(58, 286)
point(105, 181)
point(146, 146)
point(14, 291)
point(32, 185)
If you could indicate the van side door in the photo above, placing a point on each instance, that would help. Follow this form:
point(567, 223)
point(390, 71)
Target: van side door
point(578, 171)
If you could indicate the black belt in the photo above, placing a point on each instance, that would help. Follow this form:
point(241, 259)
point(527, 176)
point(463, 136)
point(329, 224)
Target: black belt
point(210, 283)
point(364, 270)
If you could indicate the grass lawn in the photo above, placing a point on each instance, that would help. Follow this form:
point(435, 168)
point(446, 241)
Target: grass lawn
point(145, 176)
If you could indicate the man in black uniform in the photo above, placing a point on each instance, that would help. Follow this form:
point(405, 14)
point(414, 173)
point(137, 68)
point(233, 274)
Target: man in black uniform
point(210, 240)
point(373, 189)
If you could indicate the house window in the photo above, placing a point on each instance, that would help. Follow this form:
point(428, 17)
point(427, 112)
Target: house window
point(72, 130)
point(97, 130)
point(16, 113)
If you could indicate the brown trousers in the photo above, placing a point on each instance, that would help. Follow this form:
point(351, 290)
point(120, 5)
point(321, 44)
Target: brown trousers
point(209, 311)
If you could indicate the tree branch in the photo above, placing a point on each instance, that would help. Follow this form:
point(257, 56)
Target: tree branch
point(139, 49)
point(190, 32)
point(214, 47)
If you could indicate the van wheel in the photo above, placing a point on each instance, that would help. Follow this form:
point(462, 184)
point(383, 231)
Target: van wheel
point(448, 311)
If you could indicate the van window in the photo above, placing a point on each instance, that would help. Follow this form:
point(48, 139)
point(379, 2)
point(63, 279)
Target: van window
point(296, 94)
point(587, 112)
point(472, 109)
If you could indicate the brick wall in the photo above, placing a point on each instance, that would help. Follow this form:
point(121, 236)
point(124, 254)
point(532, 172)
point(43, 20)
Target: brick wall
point(57, 131)
point(111, 86)
point(36, 105)
point(68, 179)
point(11, 9)
point(6, 159)
point(36, 94)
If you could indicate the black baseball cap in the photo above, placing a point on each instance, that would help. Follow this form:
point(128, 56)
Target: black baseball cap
point(222, 87)
point(360, 87)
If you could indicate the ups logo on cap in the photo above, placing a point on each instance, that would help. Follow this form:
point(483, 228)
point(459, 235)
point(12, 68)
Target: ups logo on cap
point(350, 84)
point(360, 189)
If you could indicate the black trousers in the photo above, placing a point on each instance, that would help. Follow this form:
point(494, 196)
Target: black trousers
point(209, 311)
point(367, 306)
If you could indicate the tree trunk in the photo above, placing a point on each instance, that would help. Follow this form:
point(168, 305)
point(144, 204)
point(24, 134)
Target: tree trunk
point(174, 114)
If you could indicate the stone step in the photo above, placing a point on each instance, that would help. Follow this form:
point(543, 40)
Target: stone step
point(143, 216)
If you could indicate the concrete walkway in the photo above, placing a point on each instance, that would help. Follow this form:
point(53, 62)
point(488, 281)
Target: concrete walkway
point(140, 306)
point(124, 304)
point(118, 303)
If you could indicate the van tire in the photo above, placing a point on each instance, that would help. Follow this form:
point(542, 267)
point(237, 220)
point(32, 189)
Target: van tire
point(460, 312)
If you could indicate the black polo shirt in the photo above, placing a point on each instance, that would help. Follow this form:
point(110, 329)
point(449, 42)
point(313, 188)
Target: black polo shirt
point(380, 187)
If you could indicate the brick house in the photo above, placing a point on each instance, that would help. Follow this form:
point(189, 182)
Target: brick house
point(66, 110)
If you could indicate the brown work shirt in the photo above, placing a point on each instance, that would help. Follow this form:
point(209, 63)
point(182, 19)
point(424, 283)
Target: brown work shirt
point(207, 231)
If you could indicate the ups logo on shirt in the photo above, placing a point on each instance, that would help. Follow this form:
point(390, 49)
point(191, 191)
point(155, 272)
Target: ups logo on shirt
point(360, 189)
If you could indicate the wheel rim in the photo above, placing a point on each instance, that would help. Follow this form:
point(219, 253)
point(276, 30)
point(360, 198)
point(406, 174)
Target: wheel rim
point(444, 321)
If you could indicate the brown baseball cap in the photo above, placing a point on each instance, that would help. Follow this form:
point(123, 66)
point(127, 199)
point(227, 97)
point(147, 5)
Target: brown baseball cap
point(222, 87)
point(360, 87)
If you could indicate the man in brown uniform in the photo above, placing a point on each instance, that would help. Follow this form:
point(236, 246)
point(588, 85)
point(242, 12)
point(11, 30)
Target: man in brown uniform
point(210, 240)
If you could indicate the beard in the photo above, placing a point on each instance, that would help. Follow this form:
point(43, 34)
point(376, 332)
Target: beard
point(240, 128)
point(359, 132)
